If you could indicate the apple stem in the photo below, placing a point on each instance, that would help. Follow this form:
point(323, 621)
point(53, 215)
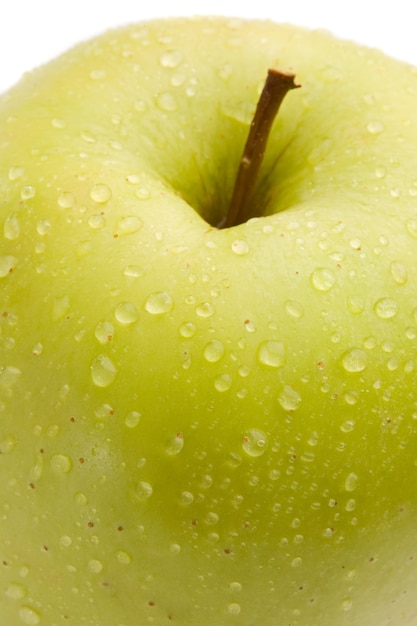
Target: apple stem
point(277, 85)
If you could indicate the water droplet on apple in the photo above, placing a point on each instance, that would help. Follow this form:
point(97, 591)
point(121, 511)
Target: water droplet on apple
point(204, 309)
point(123, 557)
point(347, 426)
point(65, 541)
point(351, 482)
point(294, 308)
point(66, 200)
point(7, 265)
point(176, 444)
point(354, 360)
point(104, 332)
point(158, 303)
point(100, 193)
point(355, 304)
point(213, 351)
point(240, 247)
point(271, 353)
point(296, 562)
point(188, 329)
point(235, 587)
point(375, 127)
point(386, 308)
point(9, 375)
point(29, 616)
point(16, 591)
point(186, 498)
point(175, 548)
point(350, 505)
point(103, 371)
point(211, 518)
point(98, 74)
point(289, 399)
point(11, 227)
point(61, 463)
point(28, 192)
point(132, 419)
point(126, 313)
point(16, 172)
point(7, 444)
point(254, 442)
point(178, 79)
point(347, 604)
point(223, 383)
point(171, 58)
point(323, 279)
point(128, 225)
point(399, 272)
point(166, 101)
point(142, 193)
point(234, 608)
point(144, 490)
point(96, 221)
point(95, 566)
point(43, 227)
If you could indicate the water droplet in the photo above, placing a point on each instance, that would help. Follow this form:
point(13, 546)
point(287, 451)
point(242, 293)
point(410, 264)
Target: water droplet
point(296, 562)
point(176, 444)
point(132, 419)
point(355, 304)
point(61, 463)
point(126, 313)
point(60, 308)
point(29, 616)
point(144, 490)
point(223, 383)
point(347, 426)
point(123, 557)
point(43, 227)
point(347, 604)
point(11, 228)
point(354, 360)
point(100, 193)
point(186, 498)
point(7, 444)
point(235, 587)
point(16, 591)
point(178, 79)
point(171, 58)
point(95, 566)
point(271, 353)
point(386, 308)
point(255, 442)
point(66, 200)
point(204, 309)
point(188, 329)
point(128, 225)
point(9, 375)
point(240, 247)
point(289, 399)
point(213, 351)
point(7, 265)
point(103, 371)
point(294, 308)
point(351, 482)
point(27, 192)
point(158, 303)
point(211, 518)
point(234, 608)
point(375, 127)
point(175, 548)
point(65, 541)
point(142, 193)
point(350, 505)
point(98, 74)
point(104, 332)
point(323, 279)
point(15, 173)
point(166, 101)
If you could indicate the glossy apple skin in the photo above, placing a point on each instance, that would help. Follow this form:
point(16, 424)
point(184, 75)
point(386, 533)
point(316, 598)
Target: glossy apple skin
point(202, 426)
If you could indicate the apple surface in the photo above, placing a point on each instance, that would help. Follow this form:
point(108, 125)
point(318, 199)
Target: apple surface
point(200, 425)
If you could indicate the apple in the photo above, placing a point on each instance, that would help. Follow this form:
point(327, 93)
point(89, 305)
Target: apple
point(208, 425)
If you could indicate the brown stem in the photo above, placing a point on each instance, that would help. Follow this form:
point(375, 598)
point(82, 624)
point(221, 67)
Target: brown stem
point(277, 85)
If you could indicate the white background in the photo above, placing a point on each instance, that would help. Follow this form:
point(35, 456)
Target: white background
point(34, 31)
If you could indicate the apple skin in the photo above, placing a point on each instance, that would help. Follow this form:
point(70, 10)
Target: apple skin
point(203, 426)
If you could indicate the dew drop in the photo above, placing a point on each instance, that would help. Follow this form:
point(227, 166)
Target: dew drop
point(347, 604)
point(98, 74)
point(7, 444)
point(104, 332)
point(347, 426)
point(95, 566)
point(289, 399)
point(255, 442)
point(29, 616)
point(27, 192)
point(240, 247)
point(351, 482)
point(296, 562)
point(354, 360)
point(66, 200)
point(11, 228)
point(142, 193)
point(43, 227)
point(375, 127)
point(223, 383)
point(144, 490)
point(399, 272)
point(166, 101)
point(16, 172)
point(204, 309)
point(132, 419)
point(350, 505)
point(186, 498)
point(7, 265)
point(128, 225)
point(294, 308)
point(188, 329)
point(123, 557)
point(211, 518)
point(171, 58)
point(271, 353)
point(175, 445)
point(126, 313)
point(178, 79)
point(213, 351)
point(103, 371)
point(16, 591)
point(175, 548)
point(158, 303)
point(411, 226)
point(61, 463)
point(323, 279)
point(100, 193)
point(234, 608)
point(386, 308)
point(355, 304)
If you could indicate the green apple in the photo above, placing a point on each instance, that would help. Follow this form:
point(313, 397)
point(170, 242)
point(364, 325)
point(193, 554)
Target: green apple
point(201, 425)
